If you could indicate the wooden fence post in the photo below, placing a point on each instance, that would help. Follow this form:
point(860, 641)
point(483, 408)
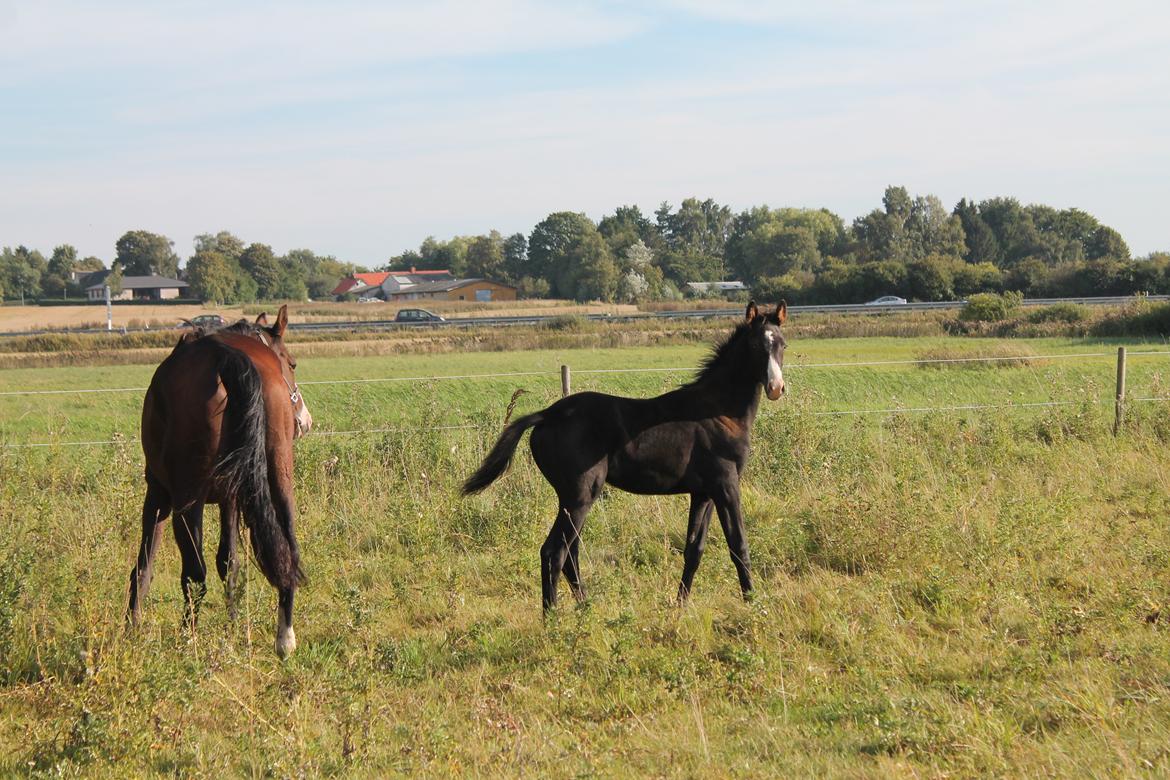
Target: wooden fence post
point(565, 383)
point(1119, 403)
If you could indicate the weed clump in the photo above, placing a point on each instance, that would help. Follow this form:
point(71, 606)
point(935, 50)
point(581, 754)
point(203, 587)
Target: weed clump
point(1002, 355)
point(1059, 312)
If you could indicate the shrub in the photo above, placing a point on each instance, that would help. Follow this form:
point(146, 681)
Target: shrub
point(1059, 312)
point(989, 307)
point(569, 322)
point(1136, 319)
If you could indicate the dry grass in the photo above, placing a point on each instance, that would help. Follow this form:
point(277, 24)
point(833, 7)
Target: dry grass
point(16, 318)
point(996, 355)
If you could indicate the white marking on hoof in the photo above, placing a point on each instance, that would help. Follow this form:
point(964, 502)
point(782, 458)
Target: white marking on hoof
point(286, 640)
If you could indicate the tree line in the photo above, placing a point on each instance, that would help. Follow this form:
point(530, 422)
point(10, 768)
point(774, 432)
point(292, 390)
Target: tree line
point(222, 269)
point(912, 246)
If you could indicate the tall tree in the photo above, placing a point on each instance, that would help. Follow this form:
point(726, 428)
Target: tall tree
point(550, 247)
point(211, 276)
point(695, 237)
point(141, 253)
point(932, 230)
point(22, 270)
point(626, 226)
point(982, 246)
point(258, 261)
point(516, 257)
point(225, 242)
point(60, 267)
point(485, 256)
point(595, 274)
point(1106, 242)
point(766, 243)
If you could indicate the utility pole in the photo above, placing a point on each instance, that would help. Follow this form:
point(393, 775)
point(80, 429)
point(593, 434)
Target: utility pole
point(109, 310)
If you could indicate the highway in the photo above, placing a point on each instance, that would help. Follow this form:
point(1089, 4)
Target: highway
point(729, 311)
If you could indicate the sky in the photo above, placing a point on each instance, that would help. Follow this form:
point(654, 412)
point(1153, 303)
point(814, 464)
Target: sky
point(358, 129)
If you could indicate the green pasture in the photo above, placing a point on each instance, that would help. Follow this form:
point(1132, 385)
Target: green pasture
point(939, 593)
point(358, 393)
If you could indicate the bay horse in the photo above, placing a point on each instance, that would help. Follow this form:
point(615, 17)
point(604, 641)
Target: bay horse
point(218, 423)
point(694, 440)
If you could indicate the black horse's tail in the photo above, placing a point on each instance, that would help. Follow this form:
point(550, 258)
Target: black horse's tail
point(244, 468)
point(498, 460)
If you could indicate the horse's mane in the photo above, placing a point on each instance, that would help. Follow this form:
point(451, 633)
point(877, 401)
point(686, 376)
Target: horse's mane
point(197, 332)
point(722, 354)
point(243, 327)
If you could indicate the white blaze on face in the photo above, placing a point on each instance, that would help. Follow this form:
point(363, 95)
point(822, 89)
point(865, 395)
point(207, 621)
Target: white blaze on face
point(774, 385)
point(304, 419)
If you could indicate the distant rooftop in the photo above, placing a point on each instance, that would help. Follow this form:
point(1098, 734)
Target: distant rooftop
point(142, 282)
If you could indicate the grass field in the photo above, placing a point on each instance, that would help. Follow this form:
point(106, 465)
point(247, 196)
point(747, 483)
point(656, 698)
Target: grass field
point(965, 592)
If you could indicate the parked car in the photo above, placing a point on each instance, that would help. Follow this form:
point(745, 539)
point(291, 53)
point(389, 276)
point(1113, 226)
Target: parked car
point(365, 299)
point(205, 321)
point(886, 300)
point(417, 315)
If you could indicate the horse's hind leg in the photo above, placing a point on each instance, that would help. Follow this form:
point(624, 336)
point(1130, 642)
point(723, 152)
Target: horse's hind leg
point(227, 562)
point(286, 636)
point(155, 509)
point(572, 567)
point(555, 554)
point(697, 524)
point(188, 526)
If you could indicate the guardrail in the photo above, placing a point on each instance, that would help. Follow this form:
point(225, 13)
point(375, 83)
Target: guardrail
point(468, 322)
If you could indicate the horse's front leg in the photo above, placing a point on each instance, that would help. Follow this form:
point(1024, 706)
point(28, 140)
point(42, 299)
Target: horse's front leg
point(731, 518)
point(285, 505)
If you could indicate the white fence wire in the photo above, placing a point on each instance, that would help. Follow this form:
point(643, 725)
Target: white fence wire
point(640, 370)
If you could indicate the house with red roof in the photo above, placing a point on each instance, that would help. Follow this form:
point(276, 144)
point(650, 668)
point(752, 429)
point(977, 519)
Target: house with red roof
point(383, 284)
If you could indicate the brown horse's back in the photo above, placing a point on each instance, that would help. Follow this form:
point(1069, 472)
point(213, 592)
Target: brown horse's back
point(181, 420)
point(182, 416)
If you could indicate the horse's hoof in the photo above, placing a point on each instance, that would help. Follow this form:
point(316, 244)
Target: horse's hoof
point(286, 642)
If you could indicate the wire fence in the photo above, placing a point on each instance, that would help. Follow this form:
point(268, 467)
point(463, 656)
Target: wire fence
point(968, 407)
point(631, 370)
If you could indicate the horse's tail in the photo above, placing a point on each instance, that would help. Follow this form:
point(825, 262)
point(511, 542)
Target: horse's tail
point(498, 460)
point(244, 468)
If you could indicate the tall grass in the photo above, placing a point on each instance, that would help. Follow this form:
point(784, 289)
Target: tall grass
point(938, 594)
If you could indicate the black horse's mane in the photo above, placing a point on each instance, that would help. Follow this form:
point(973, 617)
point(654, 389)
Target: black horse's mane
point(722, 355)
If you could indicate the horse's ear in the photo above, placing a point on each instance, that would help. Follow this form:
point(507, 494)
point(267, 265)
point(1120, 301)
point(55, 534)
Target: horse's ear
point(781, 312)
point(262, 319)
point(281, 320)
point(753, 311)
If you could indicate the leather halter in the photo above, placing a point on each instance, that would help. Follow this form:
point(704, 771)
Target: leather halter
point(294, 392)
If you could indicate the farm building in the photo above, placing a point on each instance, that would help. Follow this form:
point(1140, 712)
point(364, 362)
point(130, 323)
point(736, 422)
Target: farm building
point(382, 284)
point(456, 290)
point(138, 288)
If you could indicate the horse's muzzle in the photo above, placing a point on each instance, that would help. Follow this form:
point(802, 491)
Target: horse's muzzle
point(775, 389)
point(303, 422)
